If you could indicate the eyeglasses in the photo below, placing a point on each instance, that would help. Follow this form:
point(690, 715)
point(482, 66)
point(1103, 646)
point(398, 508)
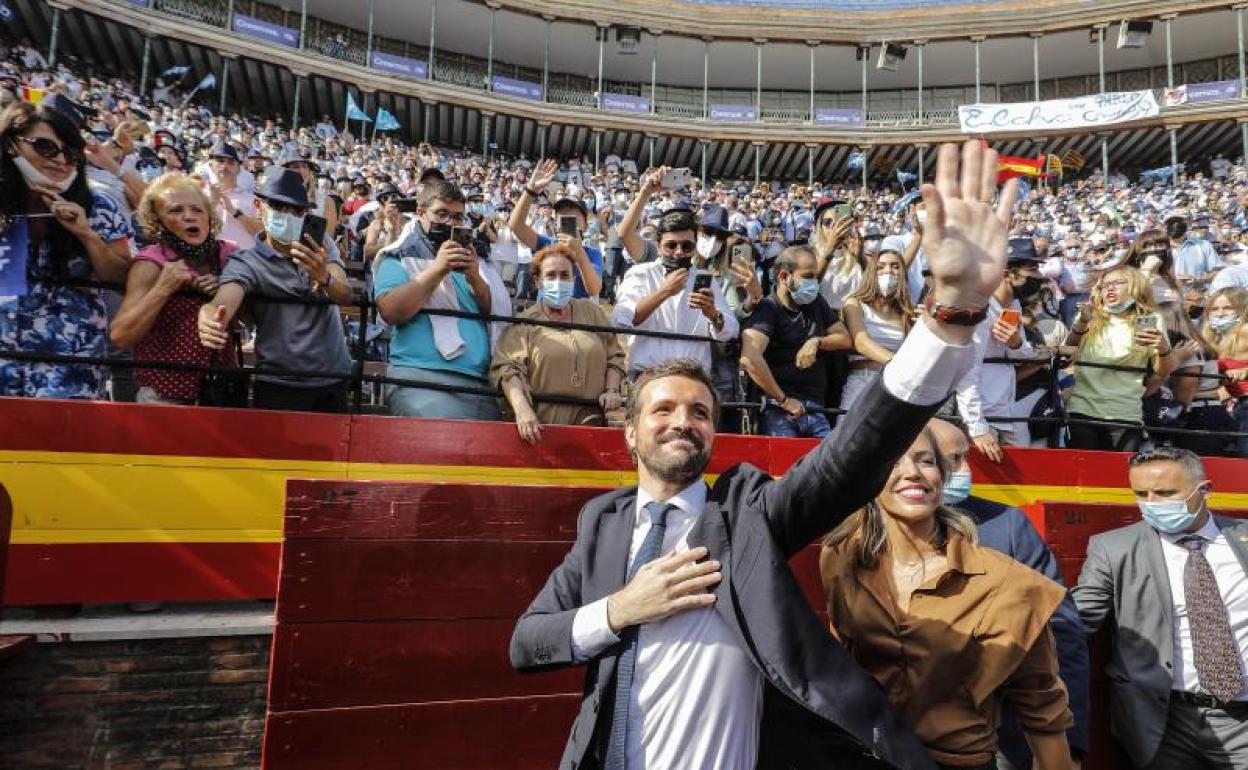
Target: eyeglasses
point(443, 216)
point(682, 247)
point(1114, 284)
point(827, 221)
point(46, 148)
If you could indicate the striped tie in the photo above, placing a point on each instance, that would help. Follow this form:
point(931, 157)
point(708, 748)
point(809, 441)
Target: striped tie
point(651, 547)
point(1213, 646)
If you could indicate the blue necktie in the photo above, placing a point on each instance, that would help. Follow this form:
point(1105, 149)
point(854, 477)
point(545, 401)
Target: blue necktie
point(650, 549)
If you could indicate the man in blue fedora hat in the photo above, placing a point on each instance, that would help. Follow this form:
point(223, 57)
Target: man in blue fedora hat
point(284, 267)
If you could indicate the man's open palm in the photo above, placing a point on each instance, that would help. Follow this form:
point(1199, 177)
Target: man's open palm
point(964, 239)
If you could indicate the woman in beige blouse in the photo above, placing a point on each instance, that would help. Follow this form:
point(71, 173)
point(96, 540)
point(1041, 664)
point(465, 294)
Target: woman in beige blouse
point(549, 361)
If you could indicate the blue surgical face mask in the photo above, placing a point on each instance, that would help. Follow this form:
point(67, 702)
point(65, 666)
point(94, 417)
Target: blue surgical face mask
point(283, 227)
point(1121, 307)
point(957, 487)
point(557, 293)
point(1169, 516)
point(1223, 324)
point(805, 291)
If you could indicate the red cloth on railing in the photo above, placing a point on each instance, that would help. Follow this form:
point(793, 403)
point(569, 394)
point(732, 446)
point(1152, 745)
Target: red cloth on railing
point(1237, 388)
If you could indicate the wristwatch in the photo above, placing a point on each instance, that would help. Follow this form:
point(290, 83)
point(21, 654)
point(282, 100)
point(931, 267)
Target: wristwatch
point(532, 193)
point(957, 316)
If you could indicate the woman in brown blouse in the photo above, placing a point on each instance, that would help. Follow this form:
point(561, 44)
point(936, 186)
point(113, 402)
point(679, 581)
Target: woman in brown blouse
point(946, 628)
point(550, 361)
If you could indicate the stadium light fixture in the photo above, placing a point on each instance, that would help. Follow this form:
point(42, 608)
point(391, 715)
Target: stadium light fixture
point(1134, 34)
point(891, 57)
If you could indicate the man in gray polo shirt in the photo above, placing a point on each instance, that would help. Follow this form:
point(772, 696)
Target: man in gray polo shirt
point(289, 334)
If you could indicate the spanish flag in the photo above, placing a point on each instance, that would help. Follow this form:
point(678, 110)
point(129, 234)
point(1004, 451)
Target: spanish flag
point(1009, 167)
point(33, 95)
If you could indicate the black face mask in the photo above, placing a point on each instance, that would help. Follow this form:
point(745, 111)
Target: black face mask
point(674, 263)
point(1176, 230)
point(1029, 288)
point(200, 254)
point(437, 234)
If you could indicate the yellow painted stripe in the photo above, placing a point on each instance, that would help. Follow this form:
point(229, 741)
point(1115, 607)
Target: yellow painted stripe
point(63, 497)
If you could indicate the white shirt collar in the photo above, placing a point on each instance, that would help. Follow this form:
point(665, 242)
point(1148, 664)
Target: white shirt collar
point(690, 500)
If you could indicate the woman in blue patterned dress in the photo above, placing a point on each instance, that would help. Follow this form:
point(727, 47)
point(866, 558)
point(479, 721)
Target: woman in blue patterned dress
point(53, 231)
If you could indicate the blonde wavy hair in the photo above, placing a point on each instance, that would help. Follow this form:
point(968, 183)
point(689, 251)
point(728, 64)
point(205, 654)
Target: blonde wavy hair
point(159, 191)
point(1138, 289)
point(866, 533)
point(1239, 301)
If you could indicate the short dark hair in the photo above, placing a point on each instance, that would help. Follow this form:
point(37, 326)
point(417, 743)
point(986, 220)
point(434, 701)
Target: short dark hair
point(787, 261)
point(1185, 457)
point(676, 222)
point(439, 190)
point(672, 367)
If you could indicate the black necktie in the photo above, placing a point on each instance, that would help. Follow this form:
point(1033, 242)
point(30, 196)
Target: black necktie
point(1213, 646)
point(651, 547)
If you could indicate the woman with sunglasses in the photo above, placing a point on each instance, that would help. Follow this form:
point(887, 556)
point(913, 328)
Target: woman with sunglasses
point(63, 234)
point(1121, 328)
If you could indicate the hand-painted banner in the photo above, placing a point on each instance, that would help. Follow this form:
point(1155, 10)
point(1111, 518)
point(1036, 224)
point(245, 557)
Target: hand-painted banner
point(522, 89)
point(1192, 93)
point(399, 65)
point(1079, 112)
point(625, 103)
point(734, 113)
point(266, 31)
point(828, 116)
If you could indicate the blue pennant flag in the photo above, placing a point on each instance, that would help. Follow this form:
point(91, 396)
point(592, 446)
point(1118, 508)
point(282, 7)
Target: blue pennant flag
point(904, 201)
point(209, 81)
point(905, 177)
point(386, 121)
point(354, 112)
point(1161, 174)
point(176, 72)
point(857, 160)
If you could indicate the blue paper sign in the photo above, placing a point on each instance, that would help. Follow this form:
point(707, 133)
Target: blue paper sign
point(14, 251)
point(625, 103)
point(734, 113)
point(519, 88)
point(399, 65)
point(266, 31)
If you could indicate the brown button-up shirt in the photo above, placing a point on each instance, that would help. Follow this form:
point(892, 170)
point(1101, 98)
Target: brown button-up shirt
point(975, 632)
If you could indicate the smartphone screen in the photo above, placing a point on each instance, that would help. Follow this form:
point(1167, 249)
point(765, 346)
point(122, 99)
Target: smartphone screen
point(462, 235)
point(313, 229)
point(701, 281)
point(568, 225)
point(1146, 322)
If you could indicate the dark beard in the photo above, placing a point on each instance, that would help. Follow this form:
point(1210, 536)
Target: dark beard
point(679, 472)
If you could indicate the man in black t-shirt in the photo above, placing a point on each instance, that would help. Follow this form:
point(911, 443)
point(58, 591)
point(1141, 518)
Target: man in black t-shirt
point(781, 344)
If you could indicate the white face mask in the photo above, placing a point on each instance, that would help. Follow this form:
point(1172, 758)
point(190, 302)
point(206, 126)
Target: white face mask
point(887, 284)
point(35, 178)
point(707, 245)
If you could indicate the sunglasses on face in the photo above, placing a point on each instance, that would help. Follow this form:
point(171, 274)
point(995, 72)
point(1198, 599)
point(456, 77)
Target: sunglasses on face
point(46, 148)
point(682, 247)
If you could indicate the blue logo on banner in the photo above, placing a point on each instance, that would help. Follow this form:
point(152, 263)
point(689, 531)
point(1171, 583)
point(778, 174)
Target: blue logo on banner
point(14, 251)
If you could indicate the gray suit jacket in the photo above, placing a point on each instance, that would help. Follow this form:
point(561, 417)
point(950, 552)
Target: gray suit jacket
point(1124, 581)
point(819, 706)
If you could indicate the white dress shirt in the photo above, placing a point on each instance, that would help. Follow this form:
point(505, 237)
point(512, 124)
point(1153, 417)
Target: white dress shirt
point(674, 315)
point(696, 696)
point(1232, 585)
point(988, 390)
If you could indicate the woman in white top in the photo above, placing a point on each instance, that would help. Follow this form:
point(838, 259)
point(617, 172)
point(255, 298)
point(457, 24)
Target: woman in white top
point(878, 316)
point(838, 253)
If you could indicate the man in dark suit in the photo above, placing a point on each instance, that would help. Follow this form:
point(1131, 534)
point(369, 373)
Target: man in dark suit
point(700, 649)
point(1006, 529)
point(1175, 588)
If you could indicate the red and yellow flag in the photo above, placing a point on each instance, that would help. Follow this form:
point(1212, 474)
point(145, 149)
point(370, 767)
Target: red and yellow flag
point(33, 95)
point(1009, 167)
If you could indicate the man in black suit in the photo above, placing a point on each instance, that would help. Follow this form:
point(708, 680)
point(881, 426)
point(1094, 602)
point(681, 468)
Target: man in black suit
point(700, 649)
point(1006, 529)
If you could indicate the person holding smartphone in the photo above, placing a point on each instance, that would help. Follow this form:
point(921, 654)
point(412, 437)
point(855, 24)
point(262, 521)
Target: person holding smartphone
point(1121, 327)
point(568, 212)
point(288, 262)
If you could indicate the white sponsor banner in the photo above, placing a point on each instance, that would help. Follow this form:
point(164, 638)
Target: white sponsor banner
point(1080, 112)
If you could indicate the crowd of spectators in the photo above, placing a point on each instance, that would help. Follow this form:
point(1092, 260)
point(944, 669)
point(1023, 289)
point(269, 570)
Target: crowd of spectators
point(1121, 322)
